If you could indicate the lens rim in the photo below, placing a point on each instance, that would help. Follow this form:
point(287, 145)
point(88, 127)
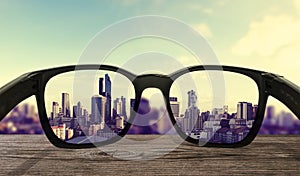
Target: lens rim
point(255, 75)
point(46, 75)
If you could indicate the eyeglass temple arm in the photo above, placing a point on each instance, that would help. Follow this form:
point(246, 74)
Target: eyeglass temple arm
point(285, 91)
point(16, 91)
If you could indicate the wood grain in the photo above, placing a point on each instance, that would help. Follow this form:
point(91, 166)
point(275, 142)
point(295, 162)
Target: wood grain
point(34, 155)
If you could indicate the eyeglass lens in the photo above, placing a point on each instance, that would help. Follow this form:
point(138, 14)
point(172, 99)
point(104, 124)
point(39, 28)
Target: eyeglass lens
point(203, 113)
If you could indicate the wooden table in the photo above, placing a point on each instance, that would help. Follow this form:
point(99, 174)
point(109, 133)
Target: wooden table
point(34, 155)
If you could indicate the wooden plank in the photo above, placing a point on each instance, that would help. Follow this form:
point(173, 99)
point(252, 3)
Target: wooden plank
point(34, 155)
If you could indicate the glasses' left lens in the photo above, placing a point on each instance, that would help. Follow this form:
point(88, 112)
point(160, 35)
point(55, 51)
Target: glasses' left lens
point(88, 106)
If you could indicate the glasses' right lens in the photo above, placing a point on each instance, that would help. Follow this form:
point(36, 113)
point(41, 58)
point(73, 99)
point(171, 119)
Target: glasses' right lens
point(210, 111)
point(88, 106)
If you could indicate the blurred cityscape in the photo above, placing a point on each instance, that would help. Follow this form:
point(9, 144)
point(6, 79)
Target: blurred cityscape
point(281, 123)
point(24, 119)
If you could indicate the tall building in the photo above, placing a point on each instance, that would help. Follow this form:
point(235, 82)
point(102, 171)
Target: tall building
point(174, 106)
point(191, 119)
point(98, 109)
point(75, 111)
point(108, 98)
point(86, 114)
point(249, 111)
point(123, 113)
point(101, 92)
point(119, 106)
point(79, 109)
point(55, 109)
point(244, 110)
point(270, 116)
point(270, 112)
point(65, 105)
point(107, 84)
point(192, 98)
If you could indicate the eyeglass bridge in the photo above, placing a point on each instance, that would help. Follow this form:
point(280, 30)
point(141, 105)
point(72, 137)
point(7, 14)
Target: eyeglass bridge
point(162, 82)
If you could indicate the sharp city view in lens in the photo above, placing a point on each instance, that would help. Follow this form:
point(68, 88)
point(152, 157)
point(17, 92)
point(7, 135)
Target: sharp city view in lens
point(217, 125)
point(107, 116)
point(106, 119)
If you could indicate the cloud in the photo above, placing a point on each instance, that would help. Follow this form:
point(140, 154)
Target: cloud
point(297, 5)
point(129, 2)
point(207, 11)
point(275, 39)
point(267, 36)
point(188, 61)
point(287, 59)
point(221, 2)
point(195, 7)
point(204, 29)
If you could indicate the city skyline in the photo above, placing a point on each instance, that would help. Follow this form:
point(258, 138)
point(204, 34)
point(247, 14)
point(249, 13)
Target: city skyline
point(108, 116)
point(191, 112)
point(102, 120)
point(22, 121)
point(217, 125)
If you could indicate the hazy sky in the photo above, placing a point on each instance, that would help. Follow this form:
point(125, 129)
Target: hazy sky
point(255, 34)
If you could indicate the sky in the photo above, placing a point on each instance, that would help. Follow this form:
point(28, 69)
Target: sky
point(256, 34)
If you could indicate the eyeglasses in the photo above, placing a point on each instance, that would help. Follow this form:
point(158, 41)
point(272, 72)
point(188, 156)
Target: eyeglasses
point(212, 106)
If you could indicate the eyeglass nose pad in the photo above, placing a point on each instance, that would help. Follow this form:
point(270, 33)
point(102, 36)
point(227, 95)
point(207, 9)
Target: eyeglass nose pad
point(151, 116)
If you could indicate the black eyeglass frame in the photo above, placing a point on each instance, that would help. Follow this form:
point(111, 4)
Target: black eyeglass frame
point(34, 83)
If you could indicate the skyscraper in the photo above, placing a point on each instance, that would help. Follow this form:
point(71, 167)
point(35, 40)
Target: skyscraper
point(107, 84)
point(192, 98)
point(191, 119)
point(79, 109)
point(123, 100)
point(174, 106)
point(55, 109)
point(75, 109)
point(86, 115)
point(101, 92)
point(249, 111)
point(270, 112)
point(108, 98)
point(120, 106)
point(98, 109)
point(65, 105)
point(244, 110)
